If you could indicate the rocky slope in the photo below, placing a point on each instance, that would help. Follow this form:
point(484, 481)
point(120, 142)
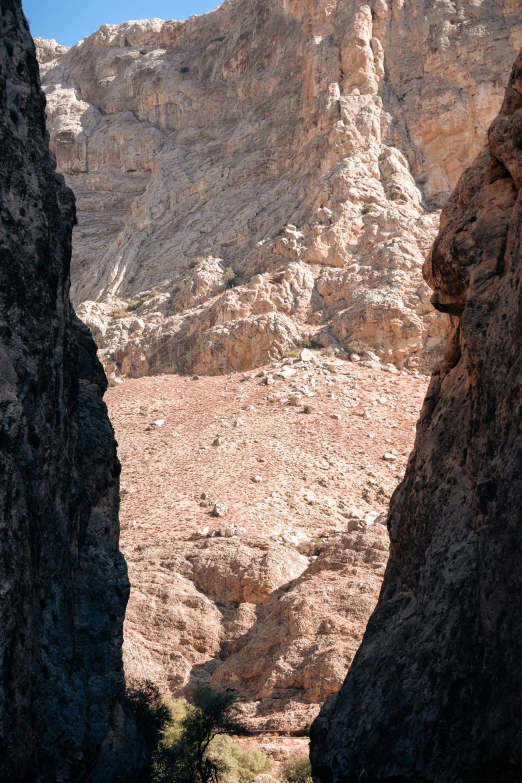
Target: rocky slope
point(63, 580)
point(272, 598)
point(297, 150)
point(434, 693)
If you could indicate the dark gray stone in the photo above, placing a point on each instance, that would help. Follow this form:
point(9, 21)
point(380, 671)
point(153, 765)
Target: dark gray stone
point(63, 580)
point(434, 694)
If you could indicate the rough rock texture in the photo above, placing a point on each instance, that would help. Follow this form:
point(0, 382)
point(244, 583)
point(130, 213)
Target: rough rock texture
point(272, 598)
point(312, 141)
point(435, 690)
point(255, 616)
point(63, 581)
point(48, 50)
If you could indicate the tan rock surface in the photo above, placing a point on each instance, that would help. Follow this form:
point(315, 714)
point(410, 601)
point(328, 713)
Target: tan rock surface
point(256, 600)
point(48, 50)
point(272, 136)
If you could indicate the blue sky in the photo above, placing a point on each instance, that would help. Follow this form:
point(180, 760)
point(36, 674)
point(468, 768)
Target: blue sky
point(70, 20)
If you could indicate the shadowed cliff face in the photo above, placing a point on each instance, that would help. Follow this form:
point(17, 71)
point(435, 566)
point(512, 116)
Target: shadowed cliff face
point(435, 691)
point(63, 580)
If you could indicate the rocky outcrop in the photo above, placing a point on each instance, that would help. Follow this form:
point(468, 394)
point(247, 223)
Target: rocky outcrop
point(434, 692)
point(63, 580)
point(270, 136)
point(48, 50)
point(255, 616)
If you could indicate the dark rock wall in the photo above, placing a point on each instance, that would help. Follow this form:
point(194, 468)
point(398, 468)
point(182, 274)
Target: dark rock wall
point(63, 581)
point(435, 691)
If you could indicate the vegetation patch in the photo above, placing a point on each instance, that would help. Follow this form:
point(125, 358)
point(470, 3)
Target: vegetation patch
point(119, 313)
point(190, 742)
point(298, 770)
point(230, 276)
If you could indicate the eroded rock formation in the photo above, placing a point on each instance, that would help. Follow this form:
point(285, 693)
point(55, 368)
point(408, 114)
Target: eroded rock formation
point(63, 580)
point(304, 147)
point(272, 598)
point(435, 690)
point(255, 616)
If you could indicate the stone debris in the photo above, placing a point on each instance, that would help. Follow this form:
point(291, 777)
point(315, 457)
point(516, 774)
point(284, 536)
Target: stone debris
point(214, 585)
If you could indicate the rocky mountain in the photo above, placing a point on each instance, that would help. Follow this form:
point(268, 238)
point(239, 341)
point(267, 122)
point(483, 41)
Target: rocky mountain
point(297, 152)
point(63, 579)
point(434, 692)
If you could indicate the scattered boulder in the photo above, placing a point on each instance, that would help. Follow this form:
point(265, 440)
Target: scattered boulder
point(220, 509)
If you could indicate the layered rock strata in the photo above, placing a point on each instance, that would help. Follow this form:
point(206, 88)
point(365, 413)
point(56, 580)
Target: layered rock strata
point(434, 693)
point(296, 151)
point(63, 580)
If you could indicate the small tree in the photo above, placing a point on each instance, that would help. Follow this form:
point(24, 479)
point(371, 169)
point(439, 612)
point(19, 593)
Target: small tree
point(188, 759)
point(230, 276)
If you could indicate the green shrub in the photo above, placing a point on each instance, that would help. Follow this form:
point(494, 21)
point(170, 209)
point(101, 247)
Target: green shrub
point(120, 313)
point(111, 382)
point(293, 400)
point(242, 766)
point(184, 69)
point(229, 275)
point(298, 770)
point(329, 351)
point(369, 208)
point(178, 709)
point(307, 409)
point(219, 38)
